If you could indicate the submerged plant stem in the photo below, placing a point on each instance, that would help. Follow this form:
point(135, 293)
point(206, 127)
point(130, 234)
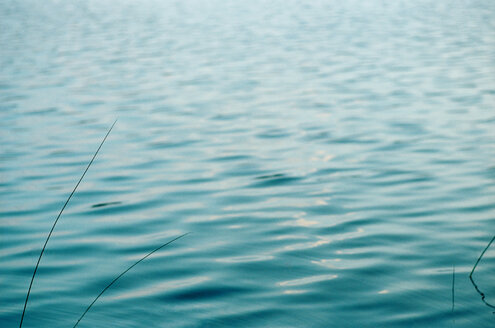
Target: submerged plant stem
point(120, 275)
point(453, 288)
point(56, 220)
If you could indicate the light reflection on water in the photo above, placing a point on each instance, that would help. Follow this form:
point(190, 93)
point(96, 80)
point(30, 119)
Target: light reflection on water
point(331, 160)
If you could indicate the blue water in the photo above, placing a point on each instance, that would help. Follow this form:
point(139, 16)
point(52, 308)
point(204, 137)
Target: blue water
point(333, 160)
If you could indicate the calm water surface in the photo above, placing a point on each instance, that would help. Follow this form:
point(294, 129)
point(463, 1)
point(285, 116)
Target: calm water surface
point(332, 160)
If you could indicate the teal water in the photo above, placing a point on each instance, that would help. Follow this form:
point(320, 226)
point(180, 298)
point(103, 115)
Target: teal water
point(332, 160)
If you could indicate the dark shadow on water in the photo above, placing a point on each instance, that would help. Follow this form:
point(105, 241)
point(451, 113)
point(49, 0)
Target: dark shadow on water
point(273, 180)
point(271, 176)
point(105, 204)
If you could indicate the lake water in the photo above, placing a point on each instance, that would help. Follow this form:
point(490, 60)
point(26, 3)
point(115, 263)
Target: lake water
point(333, 160)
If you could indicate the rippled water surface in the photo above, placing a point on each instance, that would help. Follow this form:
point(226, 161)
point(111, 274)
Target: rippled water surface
point(333, 160)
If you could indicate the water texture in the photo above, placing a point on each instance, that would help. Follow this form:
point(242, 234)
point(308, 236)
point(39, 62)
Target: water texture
point(332, 160)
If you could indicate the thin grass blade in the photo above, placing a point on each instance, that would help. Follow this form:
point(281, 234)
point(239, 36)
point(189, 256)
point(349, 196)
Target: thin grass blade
point(120, 275)
point(56, 220)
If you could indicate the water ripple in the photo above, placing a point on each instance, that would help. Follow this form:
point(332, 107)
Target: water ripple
point(333, 160)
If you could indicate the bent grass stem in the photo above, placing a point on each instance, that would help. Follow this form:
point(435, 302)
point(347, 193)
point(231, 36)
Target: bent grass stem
point(120, 275)
point(56, 220)
point(483, 296)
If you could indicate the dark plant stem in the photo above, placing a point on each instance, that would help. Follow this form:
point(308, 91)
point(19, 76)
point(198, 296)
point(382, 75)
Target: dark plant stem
point(120, 275)
point(453, 288)
point(472, 271)
point(56, 220)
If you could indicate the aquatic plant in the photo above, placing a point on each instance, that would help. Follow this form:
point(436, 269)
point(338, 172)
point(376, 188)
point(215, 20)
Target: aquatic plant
point(56, 220)
point(124, 272)
point(483, 296)
point(53, 227)
point(453, 288)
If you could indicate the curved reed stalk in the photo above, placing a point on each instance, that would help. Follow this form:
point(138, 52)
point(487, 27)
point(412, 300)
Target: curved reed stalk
point(483, 296)
point(120, 275)
point(56, 220)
